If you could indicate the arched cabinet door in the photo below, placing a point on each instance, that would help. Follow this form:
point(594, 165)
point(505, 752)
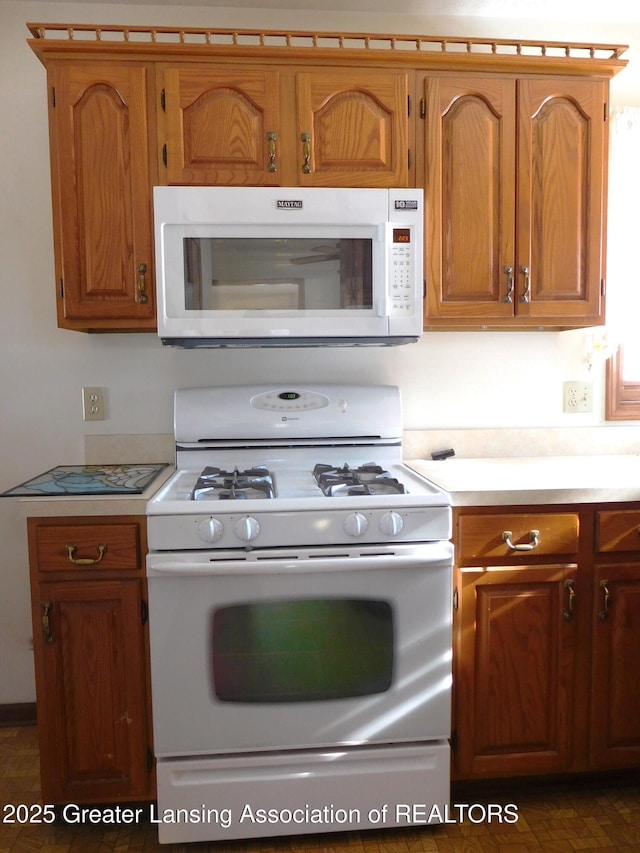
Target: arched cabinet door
point(470, 173)
point(352, 128)
point(561, 156)
point(102, 176)
point(222, 126)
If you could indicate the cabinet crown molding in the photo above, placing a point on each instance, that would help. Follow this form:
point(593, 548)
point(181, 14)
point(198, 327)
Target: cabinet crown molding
point(418, 51)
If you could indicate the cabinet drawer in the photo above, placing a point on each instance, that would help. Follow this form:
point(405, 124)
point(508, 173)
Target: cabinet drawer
point(71, 547)
point(517, 535)
point(618, 530)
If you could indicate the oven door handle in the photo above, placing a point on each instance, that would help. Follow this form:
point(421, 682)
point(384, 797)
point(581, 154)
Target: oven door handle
point(433, 554)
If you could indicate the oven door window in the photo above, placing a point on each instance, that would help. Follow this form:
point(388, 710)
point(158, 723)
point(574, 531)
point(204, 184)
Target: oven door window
point(302, 650)
point(278, 274)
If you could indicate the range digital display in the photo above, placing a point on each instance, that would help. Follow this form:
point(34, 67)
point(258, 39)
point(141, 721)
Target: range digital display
point(289, 395)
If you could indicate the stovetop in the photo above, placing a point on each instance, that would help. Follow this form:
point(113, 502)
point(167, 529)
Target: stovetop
point(279, 486)
point(313, 465)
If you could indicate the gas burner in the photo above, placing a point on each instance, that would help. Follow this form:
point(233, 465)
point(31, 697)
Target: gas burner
point(368, 479)
point(218, 485)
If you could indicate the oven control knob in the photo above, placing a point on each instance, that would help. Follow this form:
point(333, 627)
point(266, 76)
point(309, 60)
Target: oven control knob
point(210, 530)
point(391, 523)
point(355, 524)
point(247, 528)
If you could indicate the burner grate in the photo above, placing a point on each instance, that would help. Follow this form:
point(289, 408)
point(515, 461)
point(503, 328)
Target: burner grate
point(218, 484)
point(369, 479)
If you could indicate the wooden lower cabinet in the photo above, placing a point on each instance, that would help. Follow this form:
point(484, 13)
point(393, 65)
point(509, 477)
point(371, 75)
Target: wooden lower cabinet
point(546, 637)
point(615, 720)
point(514, 690)
point(91, 655)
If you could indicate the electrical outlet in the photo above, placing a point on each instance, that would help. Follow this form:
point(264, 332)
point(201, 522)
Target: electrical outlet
point(578, 397)
point(93, 404)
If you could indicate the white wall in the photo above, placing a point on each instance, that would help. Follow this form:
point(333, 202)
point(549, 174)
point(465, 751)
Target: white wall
point(447, 380)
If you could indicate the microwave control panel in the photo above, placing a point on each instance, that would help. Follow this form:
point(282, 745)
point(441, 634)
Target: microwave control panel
point(401, 273)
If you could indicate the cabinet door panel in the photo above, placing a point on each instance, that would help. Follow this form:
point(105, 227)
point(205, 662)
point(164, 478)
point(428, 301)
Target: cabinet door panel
point(92, 709)
point(102, 185)
point(561, 153)
point(514, 670)
point(218, 122)
point(358, 128)
point(470, 191)
point(615, 732)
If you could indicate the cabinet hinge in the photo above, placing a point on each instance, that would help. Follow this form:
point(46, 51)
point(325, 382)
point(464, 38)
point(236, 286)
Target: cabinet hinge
point(53, 96)
point(144, 611)
point(455, 598)
point(163, 101)
point(150, 759)
point(603, 286)
point(408, 105)
point(164, 154)
point(606, 111)
point(61, 289)
point(423, 108)
point(453, 741)
point(409, 158)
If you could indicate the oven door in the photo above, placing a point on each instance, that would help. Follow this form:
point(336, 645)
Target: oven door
point(281, 650)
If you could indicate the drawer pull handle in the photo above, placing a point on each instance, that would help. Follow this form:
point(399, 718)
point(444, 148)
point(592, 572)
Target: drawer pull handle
point(534, 541)
point(571, 605)
point(604, 613)
point(47, 633)
point(85, 561)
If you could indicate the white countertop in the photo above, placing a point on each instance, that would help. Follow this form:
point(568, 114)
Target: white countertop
point(535, 479)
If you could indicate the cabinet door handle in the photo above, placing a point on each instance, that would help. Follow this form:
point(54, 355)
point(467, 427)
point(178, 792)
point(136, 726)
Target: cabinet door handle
point(141, 285)
point(604, 613)
point(526, 296)
point(306, 153)
point(47, 633)
point(571, 603)
point(271, 151)
point(508, 271)
point(85, 561)
point(534, 541)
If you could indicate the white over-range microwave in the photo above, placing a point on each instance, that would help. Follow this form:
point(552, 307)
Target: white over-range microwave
point(276, 266)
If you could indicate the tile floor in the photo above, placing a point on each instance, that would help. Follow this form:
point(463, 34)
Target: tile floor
point(554, 818)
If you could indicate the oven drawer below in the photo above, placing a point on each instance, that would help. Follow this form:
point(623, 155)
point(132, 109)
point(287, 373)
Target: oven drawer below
point(303, 791)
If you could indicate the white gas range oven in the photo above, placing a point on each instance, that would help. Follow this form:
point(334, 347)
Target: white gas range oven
point(300, 617)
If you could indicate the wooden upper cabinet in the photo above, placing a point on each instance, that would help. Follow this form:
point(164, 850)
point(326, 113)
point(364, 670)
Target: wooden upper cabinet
point(353, 128)
point(510, 149)
point(285, 127)
point(515, 197)
point(222, 126)
point(102, 178)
